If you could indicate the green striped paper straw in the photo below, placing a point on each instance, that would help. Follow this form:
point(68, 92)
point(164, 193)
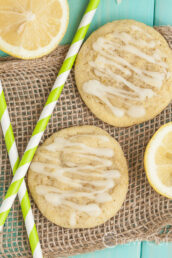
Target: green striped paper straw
point(47, 111)
point(22, 194)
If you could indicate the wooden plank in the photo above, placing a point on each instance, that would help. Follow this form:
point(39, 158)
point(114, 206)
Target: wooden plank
point(131, 250)
point(163, 12)
point(152, 250)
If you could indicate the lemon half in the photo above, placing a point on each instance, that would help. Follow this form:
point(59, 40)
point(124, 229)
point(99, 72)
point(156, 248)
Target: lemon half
point(32, 28)
point(158, 160)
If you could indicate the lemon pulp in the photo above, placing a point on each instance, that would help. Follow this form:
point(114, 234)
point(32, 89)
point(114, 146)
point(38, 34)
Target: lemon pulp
point(32, 28)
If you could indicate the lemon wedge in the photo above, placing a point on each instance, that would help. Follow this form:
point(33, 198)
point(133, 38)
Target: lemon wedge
point(158, 161)
point(32, 28)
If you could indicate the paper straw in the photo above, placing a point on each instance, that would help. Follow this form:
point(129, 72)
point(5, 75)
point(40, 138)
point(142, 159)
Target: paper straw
point(22, 194)
point(47, 111)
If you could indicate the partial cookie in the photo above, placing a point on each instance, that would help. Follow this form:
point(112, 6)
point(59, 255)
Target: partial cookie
point(124, 73)
point(79, 177)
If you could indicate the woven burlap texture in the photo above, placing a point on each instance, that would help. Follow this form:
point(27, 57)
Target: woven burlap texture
point(144, 213)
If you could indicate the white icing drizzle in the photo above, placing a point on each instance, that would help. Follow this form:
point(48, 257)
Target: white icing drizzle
point(106, 72)
point(136, 28)
point(92, 162)
point(103, 92)
point(95, 88)
point(153, 78)
point(57, 199)
point(109, 62)
point(127, 38)
point(135, 111)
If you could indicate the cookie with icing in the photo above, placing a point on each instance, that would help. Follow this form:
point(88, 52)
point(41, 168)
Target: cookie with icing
point(124, 73)
point(79, 177)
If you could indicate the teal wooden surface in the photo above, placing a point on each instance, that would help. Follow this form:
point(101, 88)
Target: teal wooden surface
point(152, 250)
point(163, 12)
point(151, 12)
point(131, 250)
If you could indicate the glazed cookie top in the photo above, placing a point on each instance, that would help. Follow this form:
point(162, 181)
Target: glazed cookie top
point(76, 175)
point(127, 71)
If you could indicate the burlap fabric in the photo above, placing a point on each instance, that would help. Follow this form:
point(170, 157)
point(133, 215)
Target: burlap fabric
point(144, 213)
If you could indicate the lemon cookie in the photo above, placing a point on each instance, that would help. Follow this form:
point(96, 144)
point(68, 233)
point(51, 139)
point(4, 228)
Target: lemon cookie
point(79, 177)
point(124, 73)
